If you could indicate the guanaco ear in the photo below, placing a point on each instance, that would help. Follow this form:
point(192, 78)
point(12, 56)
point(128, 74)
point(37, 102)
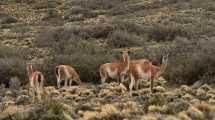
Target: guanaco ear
point(165, 58)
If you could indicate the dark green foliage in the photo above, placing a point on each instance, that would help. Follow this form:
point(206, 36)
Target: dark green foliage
point(98, 4)
point(47, 4)
point(75, 51)
point(192, 59)
point(85, 61)
point(7, 19)
point(163, 32)
point(12, 63)
point(121, 39)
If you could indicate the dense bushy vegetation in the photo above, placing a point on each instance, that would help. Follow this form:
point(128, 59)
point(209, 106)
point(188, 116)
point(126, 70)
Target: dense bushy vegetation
point(12, 63)
point(85, 42)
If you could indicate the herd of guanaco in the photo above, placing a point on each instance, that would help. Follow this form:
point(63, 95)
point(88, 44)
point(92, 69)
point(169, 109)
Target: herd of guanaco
point(136, 69)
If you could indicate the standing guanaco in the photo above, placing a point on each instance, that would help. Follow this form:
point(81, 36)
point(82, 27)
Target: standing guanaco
point(66, 73)
point(36, 82)
point(144, 69)
point(115, 70)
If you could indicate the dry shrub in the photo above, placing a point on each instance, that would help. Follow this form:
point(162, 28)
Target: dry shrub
point(163, 32)
point(12, 63)
point(7, 19)
point(192, 60)
point(120, 39)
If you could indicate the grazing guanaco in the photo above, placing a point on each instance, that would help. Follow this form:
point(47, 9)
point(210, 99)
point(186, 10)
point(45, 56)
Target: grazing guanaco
point(144, 69)
point(66, 73)
point(115, 70)
point(36, 82)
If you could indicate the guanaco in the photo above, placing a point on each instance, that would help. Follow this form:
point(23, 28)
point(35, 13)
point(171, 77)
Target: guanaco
point(115, 70)
point(144, 69)
point(36, 82)
point(66, 73)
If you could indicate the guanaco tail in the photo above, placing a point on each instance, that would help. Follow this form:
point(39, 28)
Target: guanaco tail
point(36, 82)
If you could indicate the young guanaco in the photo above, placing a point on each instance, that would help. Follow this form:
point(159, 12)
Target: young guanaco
point(36, 82)
point(66, 73)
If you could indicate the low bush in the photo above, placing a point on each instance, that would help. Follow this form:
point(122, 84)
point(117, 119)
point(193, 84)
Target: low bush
point(46, 4)
point(192, 60)
point(119, 39)
point(162, 32)
point(78, 13)
point(7, 19)
point(12, 63)
point(85, 59)
point(98, 4)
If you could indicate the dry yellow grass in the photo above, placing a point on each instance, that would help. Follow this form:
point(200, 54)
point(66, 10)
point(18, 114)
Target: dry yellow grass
point(195, 113)
point(89, 115)
point(183, 116)
point(159, 109)
point(149, 117)
point(108, 110)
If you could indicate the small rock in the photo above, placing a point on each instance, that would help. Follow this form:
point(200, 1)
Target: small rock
point(197, 84)
point(159, 89)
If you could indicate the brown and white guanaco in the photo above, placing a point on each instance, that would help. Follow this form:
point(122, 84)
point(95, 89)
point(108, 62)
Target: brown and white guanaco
point(36, 82)
point(115, 70)
point(144, 69)
point(66, 73)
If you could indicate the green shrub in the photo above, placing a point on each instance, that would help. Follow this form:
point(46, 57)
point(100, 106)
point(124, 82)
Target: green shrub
point(162, 32)
point(85, 59)
point(12, 63)
point(121, 39)
point(192, 60)
point(130, 27)
point(46, 4)
point(78, 13)
point(98, 4)
point(7, 19)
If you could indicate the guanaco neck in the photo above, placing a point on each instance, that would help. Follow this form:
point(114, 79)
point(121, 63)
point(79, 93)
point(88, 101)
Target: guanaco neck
point(159, 70)
point(29, 70)
point(126, 61)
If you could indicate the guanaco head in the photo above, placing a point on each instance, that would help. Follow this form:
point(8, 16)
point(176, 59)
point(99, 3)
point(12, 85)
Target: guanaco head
point(29, 69)
point(165, 59)
point(126, 55)
point(163, 66)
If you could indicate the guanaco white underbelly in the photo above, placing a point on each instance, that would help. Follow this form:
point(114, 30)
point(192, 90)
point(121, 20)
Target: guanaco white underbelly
point(142, 74)
point(112, 74)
